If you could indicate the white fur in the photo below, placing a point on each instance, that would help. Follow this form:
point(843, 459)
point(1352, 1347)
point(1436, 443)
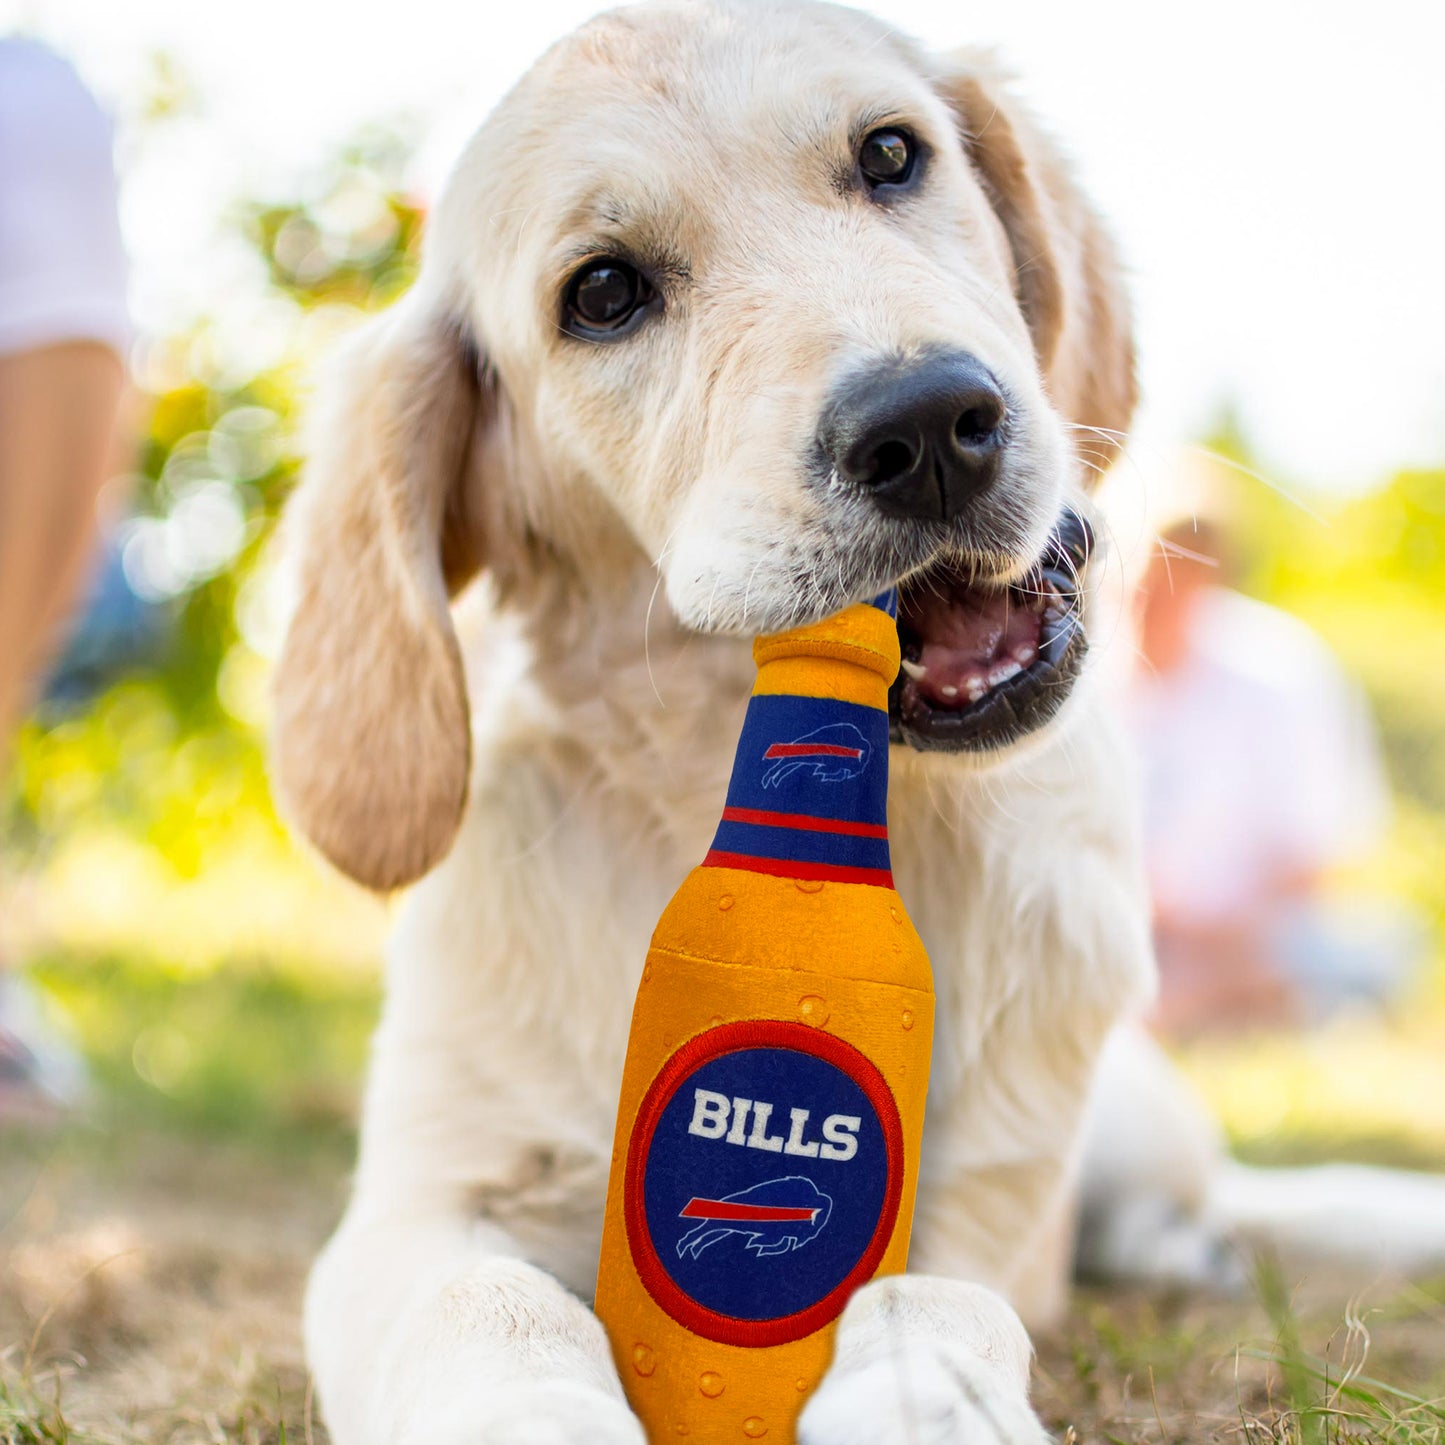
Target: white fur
point(551, 760)
point(586, 479)
point(1162, 1202)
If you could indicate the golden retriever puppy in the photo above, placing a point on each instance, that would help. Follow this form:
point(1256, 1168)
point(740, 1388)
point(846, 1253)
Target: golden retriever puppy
point(732, 313)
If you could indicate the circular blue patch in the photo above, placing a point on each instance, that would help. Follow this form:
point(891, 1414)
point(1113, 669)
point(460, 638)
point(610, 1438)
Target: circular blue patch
point(769, 1182)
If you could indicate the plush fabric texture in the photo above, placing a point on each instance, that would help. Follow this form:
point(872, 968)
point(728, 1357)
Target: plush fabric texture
point(772, 1102)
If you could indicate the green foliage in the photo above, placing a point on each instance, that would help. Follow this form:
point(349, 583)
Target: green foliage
point(355, 244)
point(175, 779)
point(348, 246)
point(172, 751)
point(252, 1049)
point(1371, 577)
point(1368, 573)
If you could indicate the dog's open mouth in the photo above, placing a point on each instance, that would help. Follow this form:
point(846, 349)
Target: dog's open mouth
point(984, 663)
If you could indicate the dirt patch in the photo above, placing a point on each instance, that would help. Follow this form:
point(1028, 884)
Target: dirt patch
point(154, 1288)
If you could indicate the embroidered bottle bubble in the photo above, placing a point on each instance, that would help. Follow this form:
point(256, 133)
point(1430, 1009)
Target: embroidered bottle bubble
point(768, 1131)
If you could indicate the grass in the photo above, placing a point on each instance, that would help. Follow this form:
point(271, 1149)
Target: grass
point(29, 1417)
point(152, 1255)
point(152, 1258)
point(26, 1419)
point(1135, 1369)
point(151, 1283)
point(250, 1050)
point(1328, 1399)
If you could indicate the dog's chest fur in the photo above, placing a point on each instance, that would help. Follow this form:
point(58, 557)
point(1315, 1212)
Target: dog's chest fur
point(597, 783)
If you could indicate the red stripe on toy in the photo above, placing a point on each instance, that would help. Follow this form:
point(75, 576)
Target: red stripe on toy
point(810, 872)
point(756, 1213)
point(806, 822)
point(812, 750)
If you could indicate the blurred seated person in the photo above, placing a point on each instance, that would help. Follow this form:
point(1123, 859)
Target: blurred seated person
point(63, 332)
point(1262, 774)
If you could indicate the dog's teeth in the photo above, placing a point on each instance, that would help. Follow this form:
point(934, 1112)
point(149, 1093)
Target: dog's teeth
point(1025, 654)
point(976, 687)
point(948, 690)
point(1004, 671)
point(915, 670)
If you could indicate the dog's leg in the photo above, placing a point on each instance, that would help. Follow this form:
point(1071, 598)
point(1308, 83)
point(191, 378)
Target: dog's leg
point(434, 1332)
point(925, 1361)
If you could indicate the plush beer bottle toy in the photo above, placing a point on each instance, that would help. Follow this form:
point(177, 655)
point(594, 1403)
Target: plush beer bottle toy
point(766, 1156)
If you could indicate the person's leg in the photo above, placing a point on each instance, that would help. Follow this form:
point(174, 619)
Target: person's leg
point(58, 409)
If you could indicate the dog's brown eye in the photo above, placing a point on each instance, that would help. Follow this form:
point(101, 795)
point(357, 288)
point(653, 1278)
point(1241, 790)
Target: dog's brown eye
point(886, 157)
point(605, 295)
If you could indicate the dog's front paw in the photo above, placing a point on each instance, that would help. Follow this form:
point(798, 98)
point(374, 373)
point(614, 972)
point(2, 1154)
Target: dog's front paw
point(924, 1361)
point(535, 1414)
point(917, 1396)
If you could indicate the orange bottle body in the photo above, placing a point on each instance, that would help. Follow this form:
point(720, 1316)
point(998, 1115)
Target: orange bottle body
point(772, 1102)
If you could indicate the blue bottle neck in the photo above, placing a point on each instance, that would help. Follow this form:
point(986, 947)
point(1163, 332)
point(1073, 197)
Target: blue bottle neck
point(808, 798)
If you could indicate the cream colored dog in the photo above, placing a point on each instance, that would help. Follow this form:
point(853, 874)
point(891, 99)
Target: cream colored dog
point(759, 308)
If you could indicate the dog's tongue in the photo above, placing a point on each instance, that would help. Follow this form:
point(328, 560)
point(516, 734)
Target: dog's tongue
point(969, 641)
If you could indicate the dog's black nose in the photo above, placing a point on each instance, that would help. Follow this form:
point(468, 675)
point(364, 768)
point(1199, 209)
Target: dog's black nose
point(923, 437)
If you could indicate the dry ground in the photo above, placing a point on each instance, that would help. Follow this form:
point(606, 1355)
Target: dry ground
point(151, 1283)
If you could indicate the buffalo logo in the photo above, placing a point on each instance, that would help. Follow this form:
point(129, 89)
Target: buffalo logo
point(773, 1217)
point(832, 754)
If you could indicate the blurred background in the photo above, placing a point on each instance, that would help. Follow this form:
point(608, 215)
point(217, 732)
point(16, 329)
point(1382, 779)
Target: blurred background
point(210, 989)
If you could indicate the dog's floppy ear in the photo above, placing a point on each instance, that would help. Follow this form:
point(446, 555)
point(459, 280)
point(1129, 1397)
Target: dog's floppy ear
point(1066, 272)
point(371, 745)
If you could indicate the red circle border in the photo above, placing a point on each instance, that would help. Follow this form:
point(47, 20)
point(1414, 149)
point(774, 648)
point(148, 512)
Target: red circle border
point(700, 1050)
